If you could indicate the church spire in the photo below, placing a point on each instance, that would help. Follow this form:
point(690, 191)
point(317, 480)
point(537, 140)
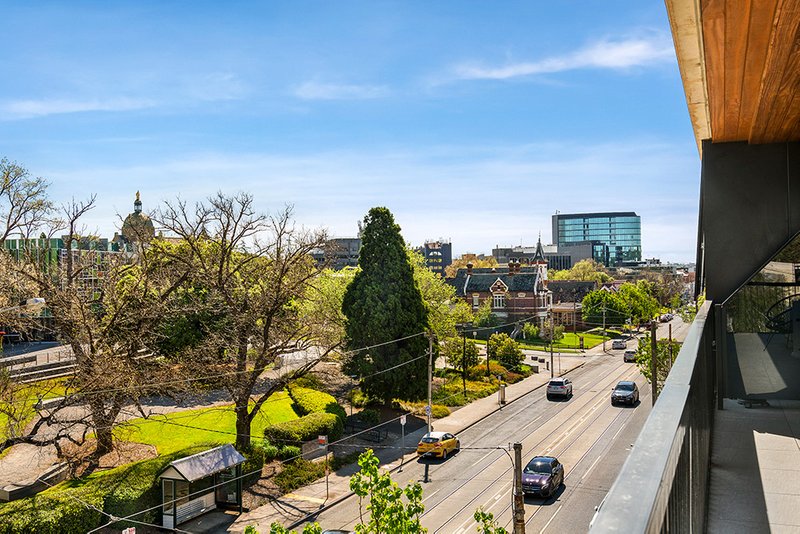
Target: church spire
point(538, 257)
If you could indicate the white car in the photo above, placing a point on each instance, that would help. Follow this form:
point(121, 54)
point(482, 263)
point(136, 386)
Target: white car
point(559, 387)
point(619, 344)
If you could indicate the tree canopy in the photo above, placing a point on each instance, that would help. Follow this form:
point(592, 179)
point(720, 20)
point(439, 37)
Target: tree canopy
point(585, 271)
point(384, 310)
point(477, 263)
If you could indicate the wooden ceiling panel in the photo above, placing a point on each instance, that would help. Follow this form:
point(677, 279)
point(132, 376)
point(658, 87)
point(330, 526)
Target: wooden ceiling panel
point(780, 79)
point(752, 68)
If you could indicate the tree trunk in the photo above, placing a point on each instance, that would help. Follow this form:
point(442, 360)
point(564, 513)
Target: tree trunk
point(105, 442)
point(243, 420)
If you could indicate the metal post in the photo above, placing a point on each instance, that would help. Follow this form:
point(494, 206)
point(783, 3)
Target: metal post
point(604, 329)
point(519, 497)
point(653, 361)
point(551, 343)
point(464, 364)
point(671, 361)
point(430, 377)
point(402, 442)
point(327, 471)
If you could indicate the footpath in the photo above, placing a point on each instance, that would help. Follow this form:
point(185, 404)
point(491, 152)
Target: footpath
point(294, 508)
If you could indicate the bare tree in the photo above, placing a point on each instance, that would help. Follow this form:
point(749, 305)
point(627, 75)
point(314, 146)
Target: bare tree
point(24, 205)
point(105, 305)
point(245, 274)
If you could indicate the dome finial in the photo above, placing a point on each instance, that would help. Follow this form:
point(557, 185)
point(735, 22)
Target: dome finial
point(137, 205)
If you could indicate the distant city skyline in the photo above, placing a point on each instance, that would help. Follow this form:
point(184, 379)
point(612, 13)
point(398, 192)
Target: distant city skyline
point(469, 122)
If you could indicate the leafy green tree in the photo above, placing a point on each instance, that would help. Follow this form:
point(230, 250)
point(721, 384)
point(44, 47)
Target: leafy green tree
point(486, 523)
point(391, 509)
point(585, 271)
point(549, 333)
point(639, 301)
point(664, 358)
point(530, 331)
point(455, 348)
point(322, 304)
point(505, 350)
point(445, 310)
point(484, 318)
point(384, 310)
point(616, 309)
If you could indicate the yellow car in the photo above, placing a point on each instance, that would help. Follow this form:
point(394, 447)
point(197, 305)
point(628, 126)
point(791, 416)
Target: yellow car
point(438, 444)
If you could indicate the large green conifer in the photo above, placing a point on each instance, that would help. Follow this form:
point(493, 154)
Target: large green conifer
point(383, 304)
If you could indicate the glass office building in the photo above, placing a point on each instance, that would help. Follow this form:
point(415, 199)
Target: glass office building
point(616, 237)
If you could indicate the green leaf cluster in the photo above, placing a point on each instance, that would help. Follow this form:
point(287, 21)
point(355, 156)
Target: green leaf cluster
point(459, 353)
point(383, 304)
point(505, 350)
point(665, 355)
point(391, 509)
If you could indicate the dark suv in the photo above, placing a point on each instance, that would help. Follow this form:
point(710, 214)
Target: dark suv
point(542, 476)
point(625, 392)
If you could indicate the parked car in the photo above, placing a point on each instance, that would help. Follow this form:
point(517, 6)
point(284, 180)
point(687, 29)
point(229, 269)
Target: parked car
point(625, 392)
point(438, 444)
point(542, 476)
point(629, 356)
point(619, 344)
point(559, 387)
point(667, 317)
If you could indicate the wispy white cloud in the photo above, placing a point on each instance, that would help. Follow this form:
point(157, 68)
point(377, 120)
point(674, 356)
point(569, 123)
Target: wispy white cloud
point(604, 54)
point(333, 91)
point(24, 109)
point(335, 189)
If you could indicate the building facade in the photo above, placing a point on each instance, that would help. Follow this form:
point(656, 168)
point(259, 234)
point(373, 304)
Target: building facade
point(615, 237)
point(339, 252)
point(437, 254)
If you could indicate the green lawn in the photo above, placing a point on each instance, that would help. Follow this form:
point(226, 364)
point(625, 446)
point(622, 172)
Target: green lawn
point(21, 400)
point(207, 425)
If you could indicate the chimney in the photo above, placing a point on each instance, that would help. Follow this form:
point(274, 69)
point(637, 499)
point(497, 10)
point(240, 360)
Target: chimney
point(518, 267)
point(469, 268)
point(512, 267)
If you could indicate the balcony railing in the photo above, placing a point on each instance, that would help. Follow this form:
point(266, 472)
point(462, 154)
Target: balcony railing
point(663, 485)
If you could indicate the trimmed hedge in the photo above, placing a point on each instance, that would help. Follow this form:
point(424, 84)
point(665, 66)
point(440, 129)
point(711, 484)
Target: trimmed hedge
point(478, 372)
point(119, 492)
point(308, 401)
point(304, 429)
point(298, 474)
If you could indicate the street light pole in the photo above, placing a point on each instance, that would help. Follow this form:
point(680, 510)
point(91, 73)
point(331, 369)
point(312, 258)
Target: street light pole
point(430, 378)
point(604, 328)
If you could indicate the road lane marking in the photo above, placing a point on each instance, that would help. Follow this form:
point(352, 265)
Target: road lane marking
point(551, 519)
point(586, 474)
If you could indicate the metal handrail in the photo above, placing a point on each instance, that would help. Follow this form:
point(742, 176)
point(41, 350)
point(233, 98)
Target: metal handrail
point(661, 487)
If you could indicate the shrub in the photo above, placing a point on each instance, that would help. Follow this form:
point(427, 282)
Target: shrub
point(505, 350)
point(310, 401)
point(437, 410)
point(270, 451)
point(454, 350)
point(289, 452)
point(452, 394)
point(369, 416)
point(358, 399)
point(298, 474)
point(304, 429)
point(254, 462)
point(478, 372)
point(308, 381)
point(530, 331)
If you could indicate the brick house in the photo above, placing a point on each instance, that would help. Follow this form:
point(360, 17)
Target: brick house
point(516, 292)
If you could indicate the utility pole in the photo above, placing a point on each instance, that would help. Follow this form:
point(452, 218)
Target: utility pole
point(519, 497)
point(653, 360)
point(430, 377)
point(464, 361)
point(550, 317)
point(604, 328)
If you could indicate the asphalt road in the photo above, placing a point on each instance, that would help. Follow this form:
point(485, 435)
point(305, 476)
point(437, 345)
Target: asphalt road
point(588, 435)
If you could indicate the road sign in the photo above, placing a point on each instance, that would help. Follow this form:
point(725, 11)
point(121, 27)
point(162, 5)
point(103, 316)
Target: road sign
point(403, 420)
point(322, 441)
point(428, 409)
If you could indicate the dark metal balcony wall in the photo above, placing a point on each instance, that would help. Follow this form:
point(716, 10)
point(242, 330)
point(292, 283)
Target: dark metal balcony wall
point(663, 484)
point(749, 209)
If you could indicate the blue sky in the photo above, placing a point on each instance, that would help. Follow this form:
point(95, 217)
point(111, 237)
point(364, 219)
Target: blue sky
point(472, 121)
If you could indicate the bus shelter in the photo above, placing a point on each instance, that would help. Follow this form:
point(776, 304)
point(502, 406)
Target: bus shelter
point(200, 483)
